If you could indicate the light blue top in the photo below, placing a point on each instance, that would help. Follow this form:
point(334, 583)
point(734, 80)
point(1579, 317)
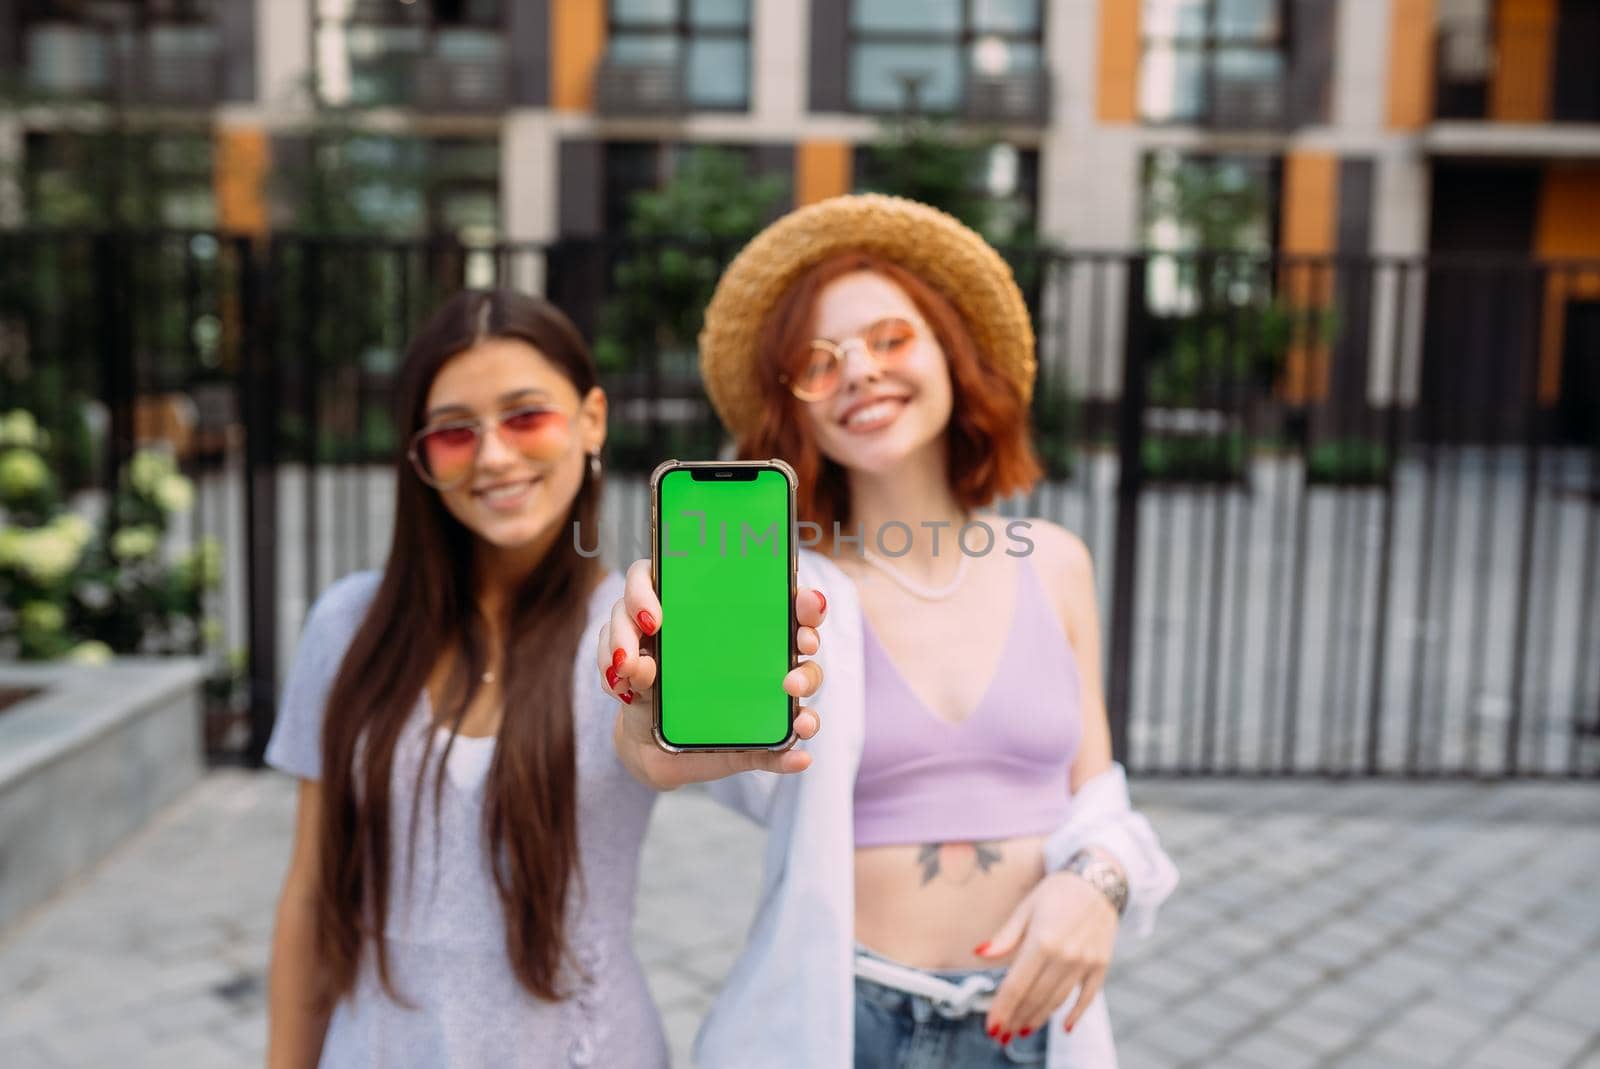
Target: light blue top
point(445, 930)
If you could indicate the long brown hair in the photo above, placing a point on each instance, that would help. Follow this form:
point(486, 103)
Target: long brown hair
point(988, 449)
point(424, 606)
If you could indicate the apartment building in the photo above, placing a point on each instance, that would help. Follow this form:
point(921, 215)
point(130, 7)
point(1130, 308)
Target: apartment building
point(1392, 127)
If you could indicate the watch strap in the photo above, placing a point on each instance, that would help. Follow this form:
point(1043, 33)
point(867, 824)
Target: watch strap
point(1102, 875)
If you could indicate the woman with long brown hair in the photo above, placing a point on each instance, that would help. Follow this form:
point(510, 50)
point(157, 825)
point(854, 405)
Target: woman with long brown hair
point(946, 884)
point(466, 849)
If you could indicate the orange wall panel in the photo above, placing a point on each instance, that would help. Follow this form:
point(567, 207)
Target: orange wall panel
point(1310, 202)
point(1309, 227)
point(1568, 228)
point(1569, 212)
point(1119, 61)
point(822, 169)
point(239, 179)
point(1411, 36)
point(1524, 38)
point(577, 41)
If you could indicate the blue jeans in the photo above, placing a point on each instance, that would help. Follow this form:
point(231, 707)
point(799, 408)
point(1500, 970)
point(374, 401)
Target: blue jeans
point(896, 1030)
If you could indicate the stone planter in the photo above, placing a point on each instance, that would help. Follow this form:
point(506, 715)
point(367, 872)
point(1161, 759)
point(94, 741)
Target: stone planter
point(85, 762)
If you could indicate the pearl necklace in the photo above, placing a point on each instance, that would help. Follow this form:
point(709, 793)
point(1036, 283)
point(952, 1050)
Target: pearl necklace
point(914, 588)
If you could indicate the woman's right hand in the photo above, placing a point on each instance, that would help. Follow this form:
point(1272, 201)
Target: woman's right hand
point(629, 675)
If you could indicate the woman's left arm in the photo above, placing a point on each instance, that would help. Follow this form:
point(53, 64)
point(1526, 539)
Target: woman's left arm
point(1065, 930)
point(1102, 819)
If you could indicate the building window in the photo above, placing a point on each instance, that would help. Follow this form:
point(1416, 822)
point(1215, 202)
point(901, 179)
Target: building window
point(993, 188)
point(1218, 62)
point(406, 186)
point(919, 55)
point(161, 51)
point(376, 53)
point(1194, 203)
point(134, 179)
point(631, 167)
point(64, 59)
point(707, 40)
point(634, 167)
point(1464, 59)
point(464, 191)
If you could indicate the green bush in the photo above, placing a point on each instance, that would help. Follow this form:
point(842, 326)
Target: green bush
point(1348, 460)
point(71, 589)
point(1215, 355)
point(682, 235)
point(923, 159)
point(1195, 458)
point(1054, 420)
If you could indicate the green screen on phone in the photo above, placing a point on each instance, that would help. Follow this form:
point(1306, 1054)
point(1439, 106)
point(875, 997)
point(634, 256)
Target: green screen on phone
point(722, 552)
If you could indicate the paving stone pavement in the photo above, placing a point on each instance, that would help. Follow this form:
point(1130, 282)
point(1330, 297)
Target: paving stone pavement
point(1336, 925)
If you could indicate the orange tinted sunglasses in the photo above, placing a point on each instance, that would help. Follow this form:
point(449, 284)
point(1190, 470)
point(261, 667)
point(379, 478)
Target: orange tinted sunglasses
point(444, 453)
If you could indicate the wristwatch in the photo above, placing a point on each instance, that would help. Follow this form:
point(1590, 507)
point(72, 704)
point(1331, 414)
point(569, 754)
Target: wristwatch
point(1102, 875)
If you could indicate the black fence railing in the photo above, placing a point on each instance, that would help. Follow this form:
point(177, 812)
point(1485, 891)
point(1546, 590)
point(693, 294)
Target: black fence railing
point(1345, 511)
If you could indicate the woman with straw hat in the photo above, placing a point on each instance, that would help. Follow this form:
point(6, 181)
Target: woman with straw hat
point(945, 884)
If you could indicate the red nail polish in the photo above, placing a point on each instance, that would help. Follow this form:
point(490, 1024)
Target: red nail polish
point(1025, 1033)
point(981, 949)
point(611, 678)
point(1005, 1039)
point(647, 623)
point(627, 697)
point(994, 1030)
point(823, 599)
point(618, 657)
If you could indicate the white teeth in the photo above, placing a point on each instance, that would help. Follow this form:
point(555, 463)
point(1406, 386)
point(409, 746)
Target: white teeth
point(501, 493)
point(875, 411)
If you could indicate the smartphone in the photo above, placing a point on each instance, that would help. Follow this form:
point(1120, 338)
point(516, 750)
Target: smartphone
point(723, 535)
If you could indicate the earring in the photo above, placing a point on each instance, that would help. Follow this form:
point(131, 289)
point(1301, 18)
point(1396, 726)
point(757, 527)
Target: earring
point(594, 465)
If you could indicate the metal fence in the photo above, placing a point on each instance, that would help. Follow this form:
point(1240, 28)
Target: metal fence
point(1343, 510)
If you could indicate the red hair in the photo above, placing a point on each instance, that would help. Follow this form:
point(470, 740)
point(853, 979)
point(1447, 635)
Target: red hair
point(989, 451)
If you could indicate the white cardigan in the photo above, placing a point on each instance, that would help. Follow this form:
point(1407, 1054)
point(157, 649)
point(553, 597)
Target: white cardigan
point(790, 998)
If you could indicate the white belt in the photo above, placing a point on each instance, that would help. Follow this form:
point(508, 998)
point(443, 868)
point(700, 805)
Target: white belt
point(972, 995)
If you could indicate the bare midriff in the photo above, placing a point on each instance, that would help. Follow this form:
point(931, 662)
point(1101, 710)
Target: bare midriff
point(931, 905)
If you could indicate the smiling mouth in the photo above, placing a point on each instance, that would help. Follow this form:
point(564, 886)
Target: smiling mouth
point(873, 414)
point(504, 493)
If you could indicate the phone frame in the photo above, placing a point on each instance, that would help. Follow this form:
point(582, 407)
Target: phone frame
point(656, 478)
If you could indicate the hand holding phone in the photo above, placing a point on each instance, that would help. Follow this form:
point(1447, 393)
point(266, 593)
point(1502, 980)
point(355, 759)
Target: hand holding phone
point(723, 539)
point(714, 723)
point(635, 676)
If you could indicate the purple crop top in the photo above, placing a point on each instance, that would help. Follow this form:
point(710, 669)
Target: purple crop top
point(1000, 773)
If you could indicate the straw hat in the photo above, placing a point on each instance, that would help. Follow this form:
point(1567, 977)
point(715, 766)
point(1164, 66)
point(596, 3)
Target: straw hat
point(934, 246)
